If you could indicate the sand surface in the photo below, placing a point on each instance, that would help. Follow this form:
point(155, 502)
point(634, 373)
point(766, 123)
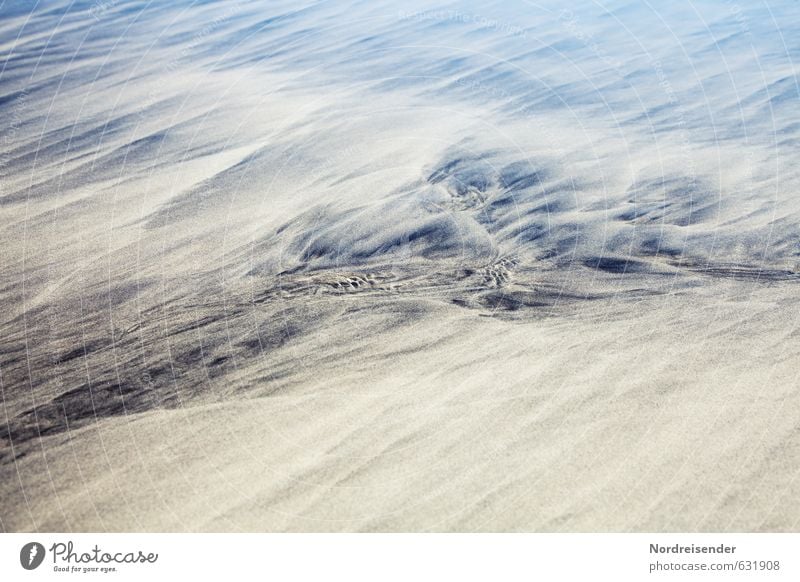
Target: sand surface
point(275, 266)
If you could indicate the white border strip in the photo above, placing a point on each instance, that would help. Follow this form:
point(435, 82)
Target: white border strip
point(405, 557)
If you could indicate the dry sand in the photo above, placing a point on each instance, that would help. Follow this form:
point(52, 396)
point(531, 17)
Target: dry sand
point(333, 267)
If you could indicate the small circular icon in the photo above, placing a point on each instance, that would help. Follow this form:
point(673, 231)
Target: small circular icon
point(31, 555)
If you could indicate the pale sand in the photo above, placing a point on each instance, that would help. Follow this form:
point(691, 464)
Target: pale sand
point(662, 427)
point(355, 270)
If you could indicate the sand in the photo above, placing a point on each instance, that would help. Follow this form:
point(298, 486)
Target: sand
point(361, 267)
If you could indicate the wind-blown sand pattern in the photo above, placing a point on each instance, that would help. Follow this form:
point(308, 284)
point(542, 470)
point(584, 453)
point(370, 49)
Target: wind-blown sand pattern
point(374, 266)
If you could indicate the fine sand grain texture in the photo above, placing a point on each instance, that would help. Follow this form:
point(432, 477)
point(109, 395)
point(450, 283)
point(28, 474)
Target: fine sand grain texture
point(374, 266)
